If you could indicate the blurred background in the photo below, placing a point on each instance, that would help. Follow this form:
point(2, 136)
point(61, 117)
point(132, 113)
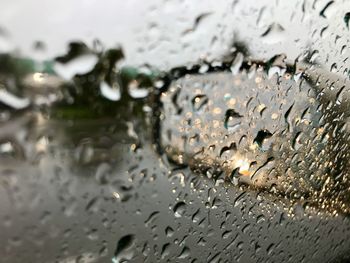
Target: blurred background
point(82, 175)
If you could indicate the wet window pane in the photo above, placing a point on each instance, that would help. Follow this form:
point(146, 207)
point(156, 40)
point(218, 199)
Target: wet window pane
point(174, 131)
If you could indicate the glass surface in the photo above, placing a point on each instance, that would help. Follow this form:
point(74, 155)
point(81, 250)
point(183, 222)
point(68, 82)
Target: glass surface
point(174, 131)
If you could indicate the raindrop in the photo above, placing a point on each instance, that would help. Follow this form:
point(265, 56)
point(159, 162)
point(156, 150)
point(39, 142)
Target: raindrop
point(169, 232)
point(203, 69)
point(215, 258)
point(179, 209)
point(12, 100)
point(347, 19)
point(227, 151)
point(7, 148)
point(326, 9)
point(165, 250)
point(239, 199)
point(124, 250)
point(261, 139)
point(151, 218)
point(195, 216)
point(93, 205)
point(315, 54)
point(79, 65)
point(273, 34)
point(260, 219)
point(277, 65)
point(93, 234)
point(199, 101)
point(270, 248)
point(103, 251)
point(297, 143)
point(112, 93)
point(226, 234)
point(185, 253)
point(137, 92)
point(334, 68)
point(237, 63)
point(196, 23)
point(232, 121)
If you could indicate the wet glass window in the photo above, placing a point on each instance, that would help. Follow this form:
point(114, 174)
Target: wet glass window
point(174, 131)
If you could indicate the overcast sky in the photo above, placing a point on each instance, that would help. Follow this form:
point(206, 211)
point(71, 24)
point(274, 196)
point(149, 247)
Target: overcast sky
point(159, 32)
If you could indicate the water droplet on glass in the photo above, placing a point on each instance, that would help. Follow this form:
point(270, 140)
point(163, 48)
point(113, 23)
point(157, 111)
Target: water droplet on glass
point(169, 232)
point(125, 249)
point(12, 100)
point(232, 120)
point(179, 209)
point(137, 92)
point(347, 19)
point(112, 93)
point(199, 101)
point(274, 34)
point(165, 250)
point(185, 253)
point(79, 65)
point(237, 63)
